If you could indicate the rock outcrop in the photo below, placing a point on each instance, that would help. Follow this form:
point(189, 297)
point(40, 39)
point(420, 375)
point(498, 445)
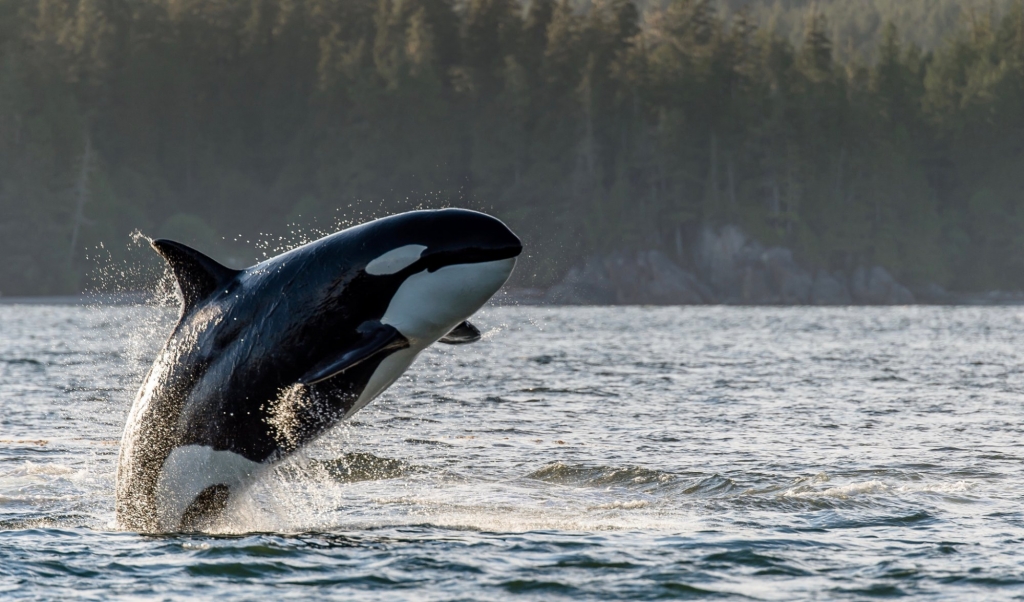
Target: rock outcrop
point(741, 271)
point(829, 289)
point(642, 278)
point(583, 285)
point(731, 269)
point(876, 286)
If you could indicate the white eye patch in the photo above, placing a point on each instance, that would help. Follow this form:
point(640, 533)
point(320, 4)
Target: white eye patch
point(395, 260)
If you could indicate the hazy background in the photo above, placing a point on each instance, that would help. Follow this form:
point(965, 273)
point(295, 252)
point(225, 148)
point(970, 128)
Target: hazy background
point(854, 133)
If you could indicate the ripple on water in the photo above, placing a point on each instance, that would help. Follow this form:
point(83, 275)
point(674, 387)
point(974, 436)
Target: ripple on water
point(594, 453)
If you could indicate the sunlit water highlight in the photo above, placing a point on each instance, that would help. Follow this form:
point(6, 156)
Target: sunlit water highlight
point(574, 453)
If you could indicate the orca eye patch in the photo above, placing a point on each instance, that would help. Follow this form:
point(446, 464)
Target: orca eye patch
point(395, 260)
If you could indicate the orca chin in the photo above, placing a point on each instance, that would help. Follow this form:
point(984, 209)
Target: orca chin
point(264, 360)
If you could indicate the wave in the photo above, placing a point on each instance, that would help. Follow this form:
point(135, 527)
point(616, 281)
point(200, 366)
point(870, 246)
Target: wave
point(362, 490)
point(34, 442)
point(359, 466)
point(599, 476)
point(622, 505)
point(877, 488)
point(28, 468)
point(46, 521)
point(646, 480)
point(26, 361)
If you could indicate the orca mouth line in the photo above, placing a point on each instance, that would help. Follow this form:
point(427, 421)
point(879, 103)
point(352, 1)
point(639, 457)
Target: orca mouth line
point(435, 261)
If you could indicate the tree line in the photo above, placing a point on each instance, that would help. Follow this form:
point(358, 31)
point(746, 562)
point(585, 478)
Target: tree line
point(588, 128)
point(857, 27)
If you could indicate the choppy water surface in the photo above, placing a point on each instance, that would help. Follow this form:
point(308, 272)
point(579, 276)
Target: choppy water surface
point(574, 453)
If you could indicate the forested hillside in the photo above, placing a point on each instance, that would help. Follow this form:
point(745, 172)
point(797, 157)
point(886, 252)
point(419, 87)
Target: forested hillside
point(587, 130)
point(857, 26)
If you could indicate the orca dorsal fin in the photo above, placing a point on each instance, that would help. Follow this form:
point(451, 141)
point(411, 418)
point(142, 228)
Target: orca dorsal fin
point(198, 276)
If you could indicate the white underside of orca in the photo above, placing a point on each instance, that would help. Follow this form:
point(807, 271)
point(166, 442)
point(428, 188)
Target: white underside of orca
point(190, 469)
point(427, 306)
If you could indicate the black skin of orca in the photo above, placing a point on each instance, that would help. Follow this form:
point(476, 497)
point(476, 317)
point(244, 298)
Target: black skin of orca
point(308, 317)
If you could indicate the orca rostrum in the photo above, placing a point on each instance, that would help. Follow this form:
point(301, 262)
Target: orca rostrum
point(264, 360)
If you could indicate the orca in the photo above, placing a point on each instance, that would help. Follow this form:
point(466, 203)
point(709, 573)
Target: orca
point(264, 360)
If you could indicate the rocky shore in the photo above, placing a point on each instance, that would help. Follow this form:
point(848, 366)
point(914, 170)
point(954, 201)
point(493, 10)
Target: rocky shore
point(729, 268)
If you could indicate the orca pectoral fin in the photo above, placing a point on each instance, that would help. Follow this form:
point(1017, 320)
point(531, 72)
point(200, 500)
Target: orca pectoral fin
point(375, 338)
point(462, 334)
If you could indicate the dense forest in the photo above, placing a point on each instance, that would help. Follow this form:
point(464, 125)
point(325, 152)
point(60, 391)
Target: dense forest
point(856, 27)
point(588, 127)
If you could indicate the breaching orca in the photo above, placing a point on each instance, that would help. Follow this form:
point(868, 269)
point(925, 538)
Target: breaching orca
point(264, 360)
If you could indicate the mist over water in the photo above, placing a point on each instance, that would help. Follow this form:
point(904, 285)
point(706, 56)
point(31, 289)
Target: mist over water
point(766, 453)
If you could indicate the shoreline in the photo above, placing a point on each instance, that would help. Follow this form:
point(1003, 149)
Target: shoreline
point(535, 298)
point(132, 298)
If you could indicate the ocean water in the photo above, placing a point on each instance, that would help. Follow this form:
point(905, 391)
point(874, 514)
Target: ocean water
point(574, 453)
